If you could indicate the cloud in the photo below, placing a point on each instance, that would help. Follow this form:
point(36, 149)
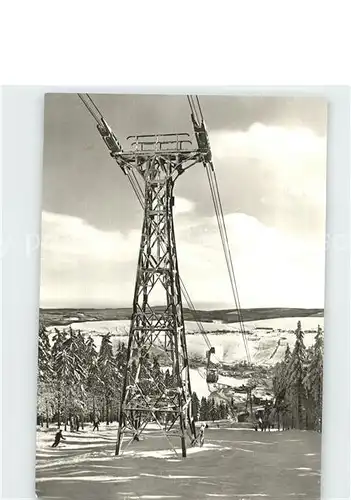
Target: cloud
point(183, 206)
point(264, 142)
point(85, 266)
point(66, 237)
point(272, 267)
point(277, 174)
point(270, 159)
point(295, 158)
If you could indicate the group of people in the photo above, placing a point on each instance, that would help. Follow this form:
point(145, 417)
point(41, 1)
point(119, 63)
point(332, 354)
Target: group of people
point(59, 436)
point(263, 420)
point(199, 440)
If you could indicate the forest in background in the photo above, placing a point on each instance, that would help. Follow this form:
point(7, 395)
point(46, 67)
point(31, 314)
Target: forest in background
point(78, 382)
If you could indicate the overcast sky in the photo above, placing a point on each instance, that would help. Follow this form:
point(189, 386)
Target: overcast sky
point(270, 158)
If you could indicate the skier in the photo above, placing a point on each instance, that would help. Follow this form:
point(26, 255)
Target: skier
point(58, 438)
point(202, 435)
point(96, 424)
point(260, 423)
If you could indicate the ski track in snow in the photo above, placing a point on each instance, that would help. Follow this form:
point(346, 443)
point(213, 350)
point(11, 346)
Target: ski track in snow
point(264, 349)
point(237, 495)
point(148, 497)
point(114, 479)
point(168, 453)
point(93, 463)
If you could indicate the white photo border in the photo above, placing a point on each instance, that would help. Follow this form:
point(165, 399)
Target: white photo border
point(23, 114)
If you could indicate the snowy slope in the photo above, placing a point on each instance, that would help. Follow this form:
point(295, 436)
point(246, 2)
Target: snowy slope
point(267, 347)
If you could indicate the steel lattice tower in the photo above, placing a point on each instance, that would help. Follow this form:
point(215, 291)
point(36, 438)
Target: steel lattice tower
point(155, 328)
point(158, 160)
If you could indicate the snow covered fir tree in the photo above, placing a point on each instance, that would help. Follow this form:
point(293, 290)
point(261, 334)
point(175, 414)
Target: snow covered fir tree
point(78, 383)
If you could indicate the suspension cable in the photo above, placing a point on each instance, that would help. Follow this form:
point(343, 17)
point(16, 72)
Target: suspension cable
point(199, 108)
point(225, 242)
point(193, 108)
point(95, 106)
point(134, 182)
point(96, 117)
point(229, 253)
point(223, 231)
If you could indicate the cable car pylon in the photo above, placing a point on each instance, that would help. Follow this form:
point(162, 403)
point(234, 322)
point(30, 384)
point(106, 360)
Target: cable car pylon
point(152, 164)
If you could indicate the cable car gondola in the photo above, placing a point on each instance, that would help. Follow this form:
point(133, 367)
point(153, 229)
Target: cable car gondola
point(211, 373)
point(212, 376)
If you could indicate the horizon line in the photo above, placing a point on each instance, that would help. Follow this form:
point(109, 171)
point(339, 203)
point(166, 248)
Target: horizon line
point(161, 305)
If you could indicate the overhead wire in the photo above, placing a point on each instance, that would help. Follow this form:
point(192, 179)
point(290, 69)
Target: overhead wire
point(193, 108)
point(227, 257)
point(133, 180)
point(97, 118)
point(239, 310)
point(95, 106)
point(199, 108)
point(225, 243)
point(214, 188)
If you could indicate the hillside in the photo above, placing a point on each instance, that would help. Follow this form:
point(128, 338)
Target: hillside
point(67, 316)
point(267, 341)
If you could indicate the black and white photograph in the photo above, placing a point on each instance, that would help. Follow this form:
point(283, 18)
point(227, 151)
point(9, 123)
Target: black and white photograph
point(181, 323)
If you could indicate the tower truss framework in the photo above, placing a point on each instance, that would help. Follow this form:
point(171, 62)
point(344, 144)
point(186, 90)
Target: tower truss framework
point(156, 161)
point(157, 329)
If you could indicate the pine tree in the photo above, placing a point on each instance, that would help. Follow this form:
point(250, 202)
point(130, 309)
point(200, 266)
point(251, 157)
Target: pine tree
point(204, 410)
point(120, 363)
point(313, 380)
point(45, 396)
point(146, 382)
point(93, 381)
point(295, 376)
point(222, 410)
point(70, 373)
point(157, 372)
point(212, 410)
point(168, 378)
point(287, 355)
point(121, 359)
point(107, 370)
point(58, 381)
point(195, 403)
point(44, 355)
point(279, 383)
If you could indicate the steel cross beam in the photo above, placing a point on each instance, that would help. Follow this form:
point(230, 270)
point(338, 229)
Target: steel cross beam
point(158, 160)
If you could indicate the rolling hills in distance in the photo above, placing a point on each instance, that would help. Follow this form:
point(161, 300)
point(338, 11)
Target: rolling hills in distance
point(65, 316)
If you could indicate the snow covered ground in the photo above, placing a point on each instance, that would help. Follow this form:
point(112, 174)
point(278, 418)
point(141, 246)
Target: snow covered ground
point(266, 346)
point(200, 386)
point(234, 463)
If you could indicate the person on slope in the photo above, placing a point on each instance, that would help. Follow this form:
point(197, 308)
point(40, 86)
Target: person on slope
point(58, 438)
point(260, 423)
point(202, 435)
point(96, 424)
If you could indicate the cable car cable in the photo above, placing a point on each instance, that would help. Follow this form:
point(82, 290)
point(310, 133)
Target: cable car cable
point(140, 196)
point(225, 243)
point(222, 228)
